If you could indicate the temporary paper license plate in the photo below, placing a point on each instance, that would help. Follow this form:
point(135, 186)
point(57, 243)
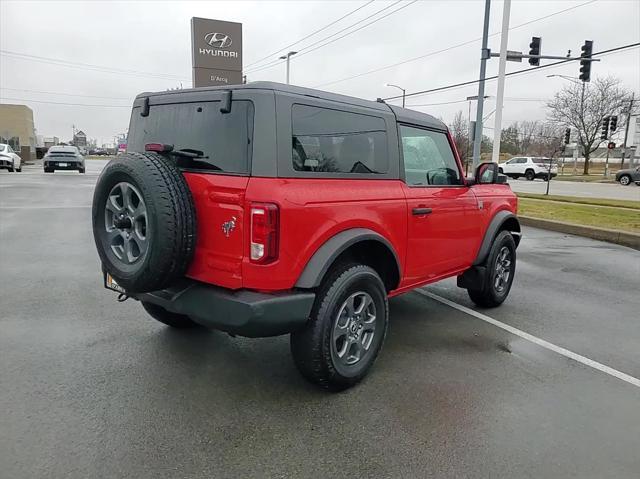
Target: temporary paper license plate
point(63, 164)
point(111, 284)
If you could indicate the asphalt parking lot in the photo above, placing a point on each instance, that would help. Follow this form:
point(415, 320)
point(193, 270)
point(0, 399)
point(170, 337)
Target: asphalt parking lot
point(94, 388)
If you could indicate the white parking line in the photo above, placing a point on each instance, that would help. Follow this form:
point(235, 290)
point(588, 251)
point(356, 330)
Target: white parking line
point(540, 342)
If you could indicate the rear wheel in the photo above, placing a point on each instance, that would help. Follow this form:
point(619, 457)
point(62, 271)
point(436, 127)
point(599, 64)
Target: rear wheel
point(346, 329)
point(500, 271)
point(529, 175)
point(178, 321)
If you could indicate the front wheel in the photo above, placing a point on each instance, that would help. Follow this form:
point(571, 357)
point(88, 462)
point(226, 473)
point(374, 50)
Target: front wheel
point(500, 271)
point(346, 329)
point(625, 180)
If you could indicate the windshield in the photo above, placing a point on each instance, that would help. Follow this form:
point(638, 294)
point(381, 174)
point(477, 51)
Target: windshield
point(224, 139)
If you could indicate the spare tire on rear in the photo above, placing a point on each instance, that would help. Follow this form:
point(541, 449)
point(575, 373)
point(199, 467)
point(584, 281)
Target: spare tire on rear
point(144, 222)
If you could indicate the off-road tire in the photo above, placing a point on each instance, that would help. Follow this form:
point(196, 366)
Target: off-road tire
point(487, 296)
point(530, 175)
point(311, 348)
point(178, 321)
point(625, 180)
point(171, 221)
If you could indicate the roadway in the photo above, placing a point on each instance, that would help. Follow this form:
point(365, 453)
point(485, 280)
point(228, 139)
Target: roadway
point(612, 191)
point(95, 388)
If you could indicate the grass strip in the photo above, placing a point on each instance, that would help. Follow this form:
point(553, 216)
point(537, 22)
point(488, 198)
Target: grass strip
point(619, 219)
point(584, 201)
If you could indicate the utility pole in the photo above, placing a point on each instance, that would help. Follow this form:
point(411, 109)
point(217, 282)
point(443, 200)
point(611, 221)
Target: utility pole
point(486, 54)
point(626, 130)
point(504, 38)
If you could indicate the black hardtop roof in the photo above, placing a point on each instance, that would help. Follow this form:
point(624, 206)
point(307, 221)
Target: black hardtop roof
point(402, 114)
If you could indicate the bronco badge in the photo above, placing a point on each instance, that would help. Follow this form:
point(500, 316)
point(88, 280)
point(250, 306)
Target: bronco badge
point(229, 226)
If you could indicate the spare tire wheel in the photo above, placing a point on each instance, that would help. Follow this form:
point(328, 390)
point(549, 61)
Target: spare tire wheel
point(144, 222)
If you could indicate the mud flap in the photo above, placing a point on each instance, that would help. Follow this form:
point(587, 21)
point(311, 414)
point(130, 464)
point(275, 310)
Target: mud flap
point(473, 278)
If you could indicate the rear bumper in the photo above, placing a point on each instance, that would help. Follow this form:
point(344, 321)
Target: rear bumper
point(242, 312)
point(70, 164)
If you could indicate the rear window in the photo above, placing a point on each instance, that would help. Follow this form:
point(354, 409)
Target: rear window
point(223, 139)
point(333, 141)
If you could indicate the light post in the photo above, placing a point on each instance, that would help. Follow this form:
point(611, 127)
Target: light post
point(404, 92)
point(287, 57)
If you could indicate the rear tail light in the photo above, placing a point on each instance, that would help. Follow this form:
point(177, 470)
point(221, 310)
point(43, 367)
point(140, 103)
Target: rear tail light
point(159, 147)
point(264, 232)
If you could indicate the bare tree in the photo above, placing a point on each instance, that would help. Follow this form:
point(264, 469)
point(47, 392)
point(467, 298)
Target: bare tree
point(582, 107)
point(460, 132)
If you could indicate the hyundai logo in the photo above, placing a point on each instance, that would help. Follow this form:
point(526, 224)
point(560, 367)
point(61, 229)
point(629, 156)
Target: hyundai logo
point(218, 40)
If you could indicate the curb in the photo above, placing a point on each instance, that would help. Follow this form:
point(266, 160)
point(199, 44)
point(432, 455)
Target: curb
point(631, 240)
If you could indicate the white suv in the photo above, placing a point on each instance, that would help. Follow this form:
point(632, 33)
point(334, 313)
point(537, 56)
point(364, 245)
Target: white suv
point(530, 167)
point(9, 160)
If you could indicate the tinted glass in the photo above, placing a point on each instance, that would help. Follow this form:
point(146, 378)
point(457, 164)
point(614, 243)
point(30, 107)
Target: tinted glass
point(222, 141)
point(333, 141)
point(428, 158)
point(2, 148)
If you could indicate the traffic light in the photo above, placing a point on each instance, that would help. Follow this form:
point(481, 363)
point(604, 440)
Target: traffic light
point(534, 49)
point(567, 136)
point(605, 128)
point(585, 65)
point(614, 123)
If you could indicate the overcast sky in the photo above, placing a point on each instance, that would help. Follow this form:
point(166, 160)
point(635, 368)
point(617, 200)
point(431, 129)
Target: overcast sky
point(152, 38)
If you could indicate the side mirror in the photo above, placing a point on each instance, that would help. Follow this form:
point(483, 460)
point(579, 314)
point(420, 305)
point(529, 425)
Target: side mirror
point(488, 173)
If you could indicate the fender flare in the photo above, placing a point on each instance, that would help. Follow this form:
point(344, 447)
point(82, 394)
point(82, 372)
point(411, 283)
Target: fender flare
point(323, 258)
point(495, 226)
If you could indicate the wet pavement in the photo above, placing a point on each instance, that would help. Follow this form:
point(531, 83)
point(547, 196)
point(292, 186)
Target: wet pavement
point(94, 388)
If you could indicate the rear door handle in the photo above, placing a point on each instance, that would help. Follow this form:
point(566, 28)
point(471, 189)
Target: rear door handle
point(421, 211)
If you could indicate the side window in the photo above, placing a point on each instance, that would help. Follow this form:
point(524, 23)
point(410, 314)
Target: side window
point(428, 158)
point(523, 160)
point(333, 141)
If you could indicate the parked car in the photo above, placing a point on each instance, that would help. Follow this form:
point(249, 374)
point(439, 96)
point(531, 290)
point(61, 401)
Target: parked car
point(530, 167)
point(63, 158)
point(625, 177)
point(267, 209)
point(9, 159)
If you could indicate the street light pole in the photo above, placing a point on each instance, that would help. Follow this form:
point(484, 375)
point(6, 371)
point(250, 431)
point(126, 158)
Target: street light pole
point(404, 92)
point(287, 57)
point(477, 142)
point(497, 132)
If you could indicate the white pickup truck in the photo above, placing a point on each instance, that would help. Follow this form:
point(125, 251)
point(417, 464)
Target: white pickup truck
point(530, 167)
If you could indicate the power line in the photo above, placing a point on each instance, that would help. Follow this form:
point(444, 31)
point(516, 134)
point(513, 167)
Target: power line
point(517, 72)
point(357, 29)
point(332, 38)
point(311, 34)
point(60, 103)
point(88, 66)
point(443, 50)
point(302, 50)
point(65, 94)
point(465, 101)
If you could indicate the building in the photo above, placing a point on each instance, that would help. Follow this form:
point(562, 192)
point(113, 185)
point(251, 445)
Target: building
point(17, 129)
point(80, 139)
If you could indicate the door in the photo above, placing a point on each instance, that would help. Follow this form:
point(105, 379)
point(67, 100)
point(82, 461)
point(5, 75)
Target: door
point(443, 213)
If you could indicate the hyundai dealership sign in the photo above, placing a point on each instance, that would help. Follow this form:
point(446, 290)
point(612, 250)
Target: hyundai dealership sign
point(216, 50)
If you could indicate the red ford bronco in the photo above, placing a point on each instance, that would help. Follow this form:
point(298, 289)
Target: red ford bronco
point(267, 209)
